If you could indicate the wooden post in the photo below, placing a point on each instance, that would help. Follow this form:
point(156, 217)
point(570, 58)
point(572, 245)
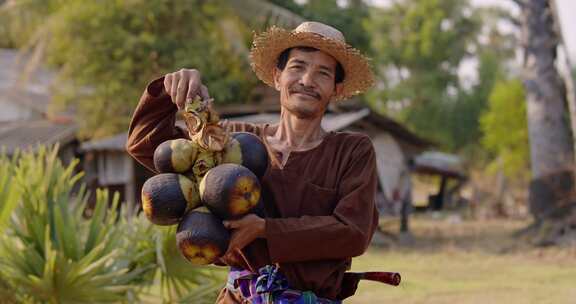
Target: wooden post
point(130, 186)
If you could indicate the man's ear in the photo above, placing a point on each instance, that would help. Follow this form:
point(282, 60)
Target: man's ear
point(277, 73)
point(338, 90)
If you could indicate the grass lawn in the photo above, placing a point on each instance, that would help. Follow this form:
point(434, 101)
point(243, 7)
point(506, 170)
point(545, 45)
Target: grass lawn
point(454, 261)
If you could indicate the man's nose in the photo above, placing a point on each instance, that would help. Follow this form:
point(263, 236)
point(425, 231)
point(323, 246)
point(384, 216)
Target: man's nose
point(306, 80)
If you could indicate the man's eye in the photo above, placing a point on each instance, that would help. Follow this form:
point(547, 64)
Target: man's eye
point(296, 67)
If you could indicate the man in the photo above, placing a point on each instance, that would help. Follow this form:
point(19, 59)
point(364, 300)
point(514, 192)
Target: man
point(318, 191)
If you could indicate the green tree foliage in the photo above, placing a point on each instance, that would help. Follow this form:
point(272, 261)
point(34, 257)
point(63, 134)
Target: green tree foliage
point(107, 51)
point(419, 45)
point(492, 55)
point(505, 127)
point(463, 115)
point(22, 21)
point(348, 17)
point(260, 14)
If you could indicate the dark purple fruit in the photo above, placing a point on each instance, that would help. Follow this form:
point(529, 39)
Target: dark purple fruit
point(201, 237)
point(230, 191)
point(175, 156)
point(167, 196)
point(247, 149)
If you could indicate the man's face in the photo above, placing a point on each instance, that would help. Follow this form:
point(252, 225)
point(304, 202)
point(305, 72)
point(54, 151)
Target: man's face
point(306, 84)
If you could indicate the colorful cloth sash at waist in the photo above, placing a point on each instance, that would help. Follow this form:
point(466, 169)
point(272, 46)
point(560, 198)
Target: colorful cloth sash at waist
point(269, 286)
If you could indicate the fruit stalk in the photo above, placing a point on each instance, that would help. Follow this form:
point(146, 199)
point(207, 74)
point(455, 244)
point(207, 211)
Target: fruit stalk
point(202, 123)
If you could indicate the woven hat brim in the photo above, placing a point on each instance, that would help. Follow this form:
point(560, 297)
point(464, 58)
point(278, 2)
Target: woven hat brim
point(268, 45)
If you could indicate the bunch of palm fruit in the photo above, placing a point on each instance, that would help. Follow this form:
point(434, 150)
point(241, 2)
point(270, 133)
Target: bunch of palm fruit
point(212, 177)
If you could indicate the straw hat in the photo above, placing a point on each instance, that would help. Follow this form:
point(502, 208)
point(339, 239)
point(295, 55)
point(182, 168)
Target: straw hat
point(268, 46)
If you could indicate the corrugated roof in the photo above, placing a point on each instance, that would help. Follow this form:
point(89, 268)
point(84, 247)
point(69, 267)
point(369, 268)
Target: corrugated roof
point(339, 121)
point(330, 121)
point(29, 134)
point(399, 130)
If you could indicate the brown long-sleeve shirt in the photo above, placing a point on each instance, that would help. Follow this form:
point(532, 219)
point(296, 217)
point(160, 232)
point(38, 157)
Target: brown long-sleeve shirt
point(319, 207)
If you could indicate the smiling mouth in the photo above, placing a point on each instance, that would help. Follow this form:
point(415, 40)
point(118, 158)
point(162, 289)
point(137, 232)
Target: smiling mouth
point(309, 95)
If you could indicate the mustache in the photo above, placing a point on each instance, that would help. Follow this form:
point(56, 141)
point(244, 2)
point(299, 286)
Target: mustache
point(305, 90)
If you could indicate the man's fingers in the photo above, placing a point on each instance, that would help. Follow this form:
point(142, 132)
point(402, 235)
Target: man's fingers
point(204, 93)
point(182, 88)
point(183, 85)
point(174, 86)
point(230, 253)
point(220, 261)
point(227, 224)
point(232, 224)
point(243, 221)
point(231, 259)
point(192, 89)
point(236, 242)
point(168, 83)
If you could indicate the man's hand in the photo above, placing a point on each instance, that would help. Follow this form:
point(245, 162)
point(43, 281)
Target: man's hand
point(183, 85)
point(244, 231)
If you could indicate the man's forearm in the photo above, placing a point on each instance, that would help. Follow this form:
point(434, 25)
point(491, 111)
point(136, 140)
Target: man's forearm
point(152, 123)
point(311, 238)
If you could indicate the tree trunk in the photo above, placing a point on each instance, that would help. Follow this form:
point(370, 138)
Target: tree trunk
point(565, 67)
point(551, 145)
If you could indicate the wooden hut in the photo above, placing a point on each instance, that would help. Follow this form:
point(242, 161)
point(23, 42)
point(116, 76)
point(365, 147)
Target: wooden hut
point(107, 165)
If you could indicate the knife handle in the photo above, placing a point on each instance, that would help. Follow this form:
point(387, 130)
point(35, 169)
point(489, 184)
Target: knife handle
point(390, 278)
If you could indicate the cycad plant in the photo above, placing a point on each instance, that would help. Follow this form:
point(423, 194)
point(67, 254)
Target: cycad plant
point(8, 193)
point(50, 253)
point(173, 279)
point(8, 201)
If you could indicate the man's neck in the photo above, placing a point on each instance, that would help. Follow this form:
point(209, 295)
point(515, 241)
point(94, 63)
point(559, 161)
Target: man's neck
point(294, 134)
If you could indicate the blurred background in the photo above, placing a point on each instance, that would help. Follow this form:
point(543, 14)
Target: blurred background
point(473, 118)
